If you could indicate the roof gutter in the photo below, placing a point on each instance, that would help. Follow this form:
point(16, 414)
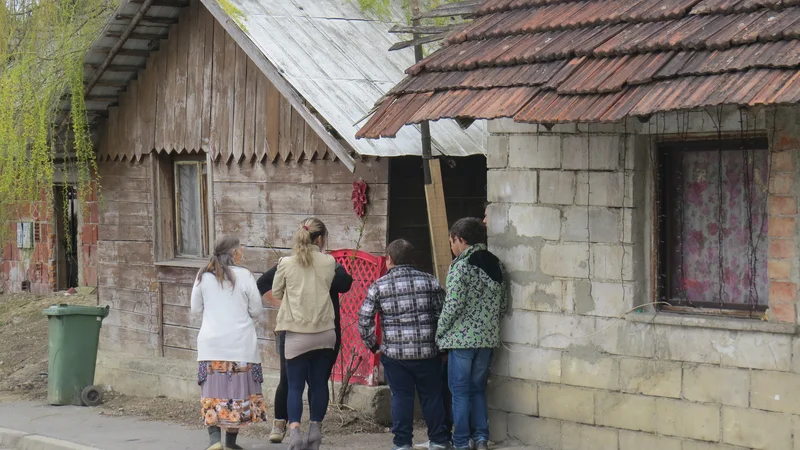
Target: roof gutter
point(118, 46)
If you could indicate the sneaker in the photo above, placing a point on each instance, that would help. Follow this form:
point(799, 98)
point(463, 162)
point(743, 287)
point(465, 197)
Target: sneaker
point(405, 447)
point(446, 446)
point(278, 431)
point(482, 445)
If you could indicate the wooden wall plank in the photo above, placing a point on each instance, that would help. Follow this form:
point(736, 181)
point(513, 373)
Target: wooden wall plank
point(277, 230)
point(180, 337)
point(128, 300)
point(176, 275)
point(171, 93)
point(371, 171)
point(119, 213)
point(135, 342)
point(219, 130)
point(184, 28)
point(140, 187)
point(163, 200)
point(291, 198)
point(160, 68)
point(131, 321)
point(239, 104)
point(122, 253)
point(285, 135)
point(194, 78)
point(208, 71)
point(229, 75)
point(113, 132)
point(137, 278)
point(251, 97)
point(175, 294)
point(181, 316)
point(334, 199)
point(260, 259)
point(298, 137)
point(146, 109)
point(125, 233)
point(122, 171)
point(272, 116)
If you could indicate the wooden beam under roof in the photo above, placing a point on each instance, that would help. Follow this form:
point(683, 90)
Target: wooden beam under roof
point(117, 67)
point(149, 19)
point(122, 52)
point(167, 3)
point(141, 36)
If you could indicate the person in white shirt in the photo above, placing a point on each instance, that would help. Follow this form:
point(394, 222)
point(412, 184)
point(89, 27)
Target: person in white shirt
point(229, 372)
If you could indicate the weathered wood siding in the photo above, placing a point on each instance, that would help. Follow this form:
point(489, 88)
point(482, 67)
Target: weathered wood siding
point(201, 93)
point(263, 205)
point(126, 275)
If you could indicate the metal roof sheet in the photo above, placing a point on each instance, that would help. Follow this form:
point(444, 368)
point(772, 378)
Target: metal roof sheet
point(338, 61)
point(333, 55)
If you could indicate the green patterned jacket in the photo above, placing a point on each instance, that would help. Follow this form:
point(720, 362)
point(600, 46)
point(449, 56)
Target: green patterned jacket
point(476, 298)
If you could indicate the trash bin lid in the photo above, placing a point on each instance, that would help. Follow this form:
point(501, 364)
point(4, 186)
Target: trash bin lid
point(76, 310)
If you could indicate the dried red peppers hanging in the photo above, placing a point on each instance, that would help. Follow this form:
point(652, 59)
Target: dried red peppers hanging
point(359, 198)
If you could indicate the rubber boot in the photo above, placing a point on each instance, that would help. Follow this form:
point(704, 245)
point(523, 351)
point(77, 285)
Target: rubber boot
point(230, 441)
point(314, 438)
point(214, 438)
point(295, 439)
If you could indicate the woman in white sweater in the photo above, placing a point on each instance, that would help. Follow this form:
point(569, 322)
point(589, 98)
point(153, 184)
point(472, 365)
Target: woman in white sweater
point(229, 373)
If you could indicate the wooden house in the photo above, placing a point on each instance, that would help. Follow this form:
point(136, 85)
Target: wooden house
point(209, 125)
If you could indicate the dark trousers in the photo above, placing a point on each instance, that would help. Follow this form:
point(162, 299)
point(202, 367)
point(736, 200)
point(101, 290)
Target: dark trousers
point(282, 391)
point(310, 368)
point(423, 376)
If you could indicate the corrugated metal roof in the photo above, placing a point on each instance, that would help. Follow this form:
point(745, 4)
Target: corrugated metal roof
point(334, 56)
point(337, 60)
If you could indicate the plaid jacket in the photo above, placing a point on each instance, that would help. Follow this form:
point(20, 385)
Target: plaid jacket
point(410, 302)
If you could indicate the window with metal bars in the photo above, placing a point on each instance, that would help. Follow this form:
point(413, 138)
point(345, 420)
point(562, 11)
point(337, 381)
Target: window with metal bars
point(712, 226)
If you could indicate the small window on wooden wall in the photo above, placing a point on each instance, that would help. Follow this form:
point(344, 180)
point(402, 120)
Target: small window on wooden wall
point(191, 205)
point(182, 207)
point(713, 240)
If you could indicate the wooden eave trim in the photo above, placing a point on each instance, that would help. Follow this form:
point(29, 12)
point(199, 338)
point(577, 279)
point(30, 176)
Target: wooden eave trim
point(280, 83)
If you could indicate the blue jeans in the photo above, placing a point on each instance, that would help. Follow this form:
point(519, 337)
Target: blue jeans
point(425, 377)
point(468, 373)
point(313, 368)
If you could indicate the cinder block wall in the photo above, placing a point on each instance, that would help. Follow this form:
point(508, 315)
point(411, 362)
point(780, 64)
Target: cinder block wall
point(571, 217)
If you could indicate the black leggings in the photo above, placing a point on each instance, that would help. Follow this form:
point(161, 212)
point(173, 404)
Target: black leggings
point(282, 391)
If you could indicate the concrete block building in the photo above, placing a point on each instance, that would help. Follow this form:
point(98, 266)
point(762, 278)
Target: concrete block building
point(642, 164)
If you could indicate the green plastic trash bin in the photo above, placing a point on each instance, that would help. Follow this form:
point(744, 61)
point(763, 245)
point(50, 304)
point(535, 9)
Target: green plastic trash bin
point(74, 333)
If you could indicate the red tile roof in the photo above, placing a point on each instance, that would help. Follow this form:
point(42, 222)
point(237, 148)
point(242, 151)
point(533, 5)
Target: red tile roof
point(550, 61)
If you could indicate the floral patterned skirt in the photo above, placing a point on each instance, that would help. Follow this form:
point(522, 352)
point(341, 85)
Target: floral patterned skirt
point(231, 394)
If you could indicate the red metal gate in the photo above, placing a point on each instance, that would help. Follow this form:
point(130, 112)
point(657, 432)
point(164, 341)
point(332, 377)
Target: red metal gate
point(365, 269)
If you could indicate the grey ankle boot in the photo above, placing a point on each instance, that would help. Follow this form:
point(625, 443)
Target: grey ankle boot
point(295, 439)
point(314, 438)
point(214, 438)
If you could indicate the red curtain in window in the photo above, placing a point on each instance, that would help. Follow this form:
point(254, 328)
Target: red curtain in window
point(723, 198)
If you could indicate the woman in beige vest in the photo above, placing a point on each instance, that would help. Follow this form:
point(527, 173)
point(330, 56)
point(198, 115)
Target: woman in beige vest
point(302, 283)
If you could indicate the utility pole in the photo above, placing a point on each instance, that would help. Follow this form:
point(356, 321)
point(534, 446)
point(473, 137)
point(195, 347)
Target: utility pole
point(434, 189)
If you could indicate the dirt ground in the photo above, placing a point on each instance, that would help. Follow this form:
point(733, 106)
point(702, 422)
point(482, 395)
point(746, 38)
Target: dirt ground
point(23, 371)
point(23, 340)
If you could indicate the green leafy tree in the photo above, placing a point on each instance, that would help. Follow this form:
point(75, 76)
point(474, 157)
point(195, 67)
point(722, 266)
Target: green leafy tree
point(42, 48)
